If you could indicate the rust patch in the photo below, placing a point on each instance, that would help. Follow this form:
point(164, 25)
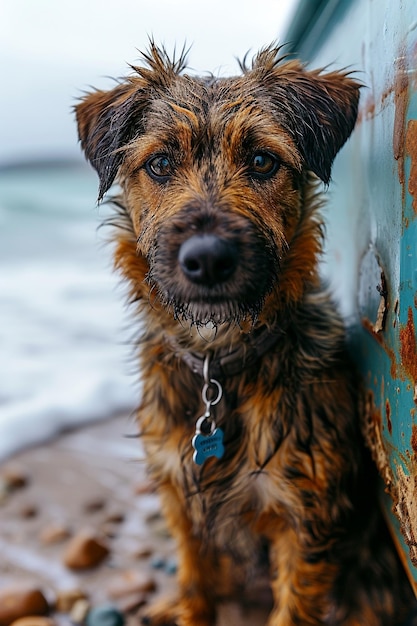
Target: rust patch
point(413, 440)
point(388, 415)
point(400, 103)
point(408, 347)
point(411, 151)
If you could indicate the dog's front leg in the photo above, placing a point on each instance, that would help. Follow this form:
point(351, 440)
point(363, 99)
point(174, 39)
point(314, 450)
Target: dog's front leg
point(196, 571)
point(301, 584)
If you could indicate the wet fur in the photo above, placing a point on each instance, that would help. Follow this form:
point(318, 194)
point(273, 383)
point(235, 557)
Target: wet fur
point(295, 476)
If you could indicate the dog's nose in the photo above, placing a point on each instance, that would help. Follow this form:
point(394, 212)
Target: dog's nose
point(207, 260)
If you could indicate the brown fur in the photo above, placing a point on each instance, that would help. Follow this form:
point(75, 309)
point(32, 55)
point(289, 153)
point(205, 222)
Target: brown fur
point(294, 475)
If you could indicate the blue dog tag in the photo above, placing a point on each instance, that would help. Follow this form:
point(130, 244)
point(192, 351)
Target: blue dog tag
point(206, 446)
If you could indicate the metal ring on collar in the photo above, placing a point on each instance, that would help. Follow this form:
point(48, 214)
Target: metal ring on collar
point(206, 387)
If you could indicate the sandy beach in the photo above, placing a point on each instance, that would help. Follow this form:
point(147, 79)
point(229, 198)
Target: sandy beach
point(90, 483)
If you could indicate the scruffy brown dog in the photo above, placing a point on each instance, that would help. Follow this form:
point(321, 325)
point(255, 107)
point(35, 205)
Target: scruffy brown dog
point(249, 411)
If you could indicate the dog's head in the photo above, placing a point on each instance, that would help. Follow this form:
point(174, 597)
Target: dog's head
point(215, 175)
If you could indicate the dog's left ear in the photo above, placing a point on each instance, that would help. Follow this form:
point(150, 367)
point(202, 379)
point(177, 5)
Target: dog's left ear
point(107, 121)
point(320, 112)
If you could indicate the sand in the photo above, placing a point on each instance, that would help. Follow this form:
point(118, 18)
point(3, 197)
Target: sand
point(91, 480)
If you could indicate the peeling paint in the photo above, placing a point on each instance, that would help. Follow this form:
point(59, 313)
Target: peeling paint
point(405, 508)
point(400, 102)
point(396, 307)
point(402, 487)
point(388, 415)
point(381, 315)
point(372, 430)
point(411, 151)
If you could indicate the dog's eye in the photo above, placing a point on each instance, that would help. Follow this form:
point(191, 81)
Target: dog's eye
point(159, 168)
point(264, 165)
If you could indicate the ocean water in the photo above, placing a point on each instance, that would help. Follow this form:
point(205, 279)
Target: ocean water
point(65, 357)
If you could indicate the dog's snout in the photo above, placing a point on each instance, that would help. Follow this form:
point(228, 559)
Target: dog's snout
point(207, 259)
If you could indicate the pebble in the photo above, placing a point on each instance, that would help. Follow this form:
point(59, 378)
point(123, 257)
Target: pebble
point(131, 582)
point(18, 602)
point(93, 506)
point(79, 611)
point(108, 531)
point(158, 562)
point(153, 517)
point(54, 533)
point(14, 477)
point(4, 492)
point(131, 604)
point(67, 598)
point(143, 552)
point(28, 511)
point(106, 615)
point(171, 567)
point(33, 620)
point(160, 529)
point(84, 551)
point(144, 488)
point(115, 518)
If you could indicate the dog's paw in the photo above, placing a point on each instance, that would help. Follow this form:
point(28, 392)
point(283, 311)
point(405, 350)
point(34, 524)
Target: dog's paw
point(177, 612)
point(162, 613)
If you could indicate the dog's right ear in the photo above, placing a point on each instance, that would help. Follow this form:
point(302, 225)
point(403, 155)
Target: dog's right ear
point(108, 121)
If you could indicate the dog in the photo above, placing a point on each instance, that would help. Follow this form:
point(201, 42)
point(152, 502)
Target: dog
point(250, 410)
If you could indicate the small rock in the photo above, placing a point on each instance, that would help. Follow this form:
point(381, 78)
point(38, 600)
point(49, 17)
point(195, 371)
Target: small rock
point(84, 551)
point(144, 552)
point(79, 611)
point(106, 615)
point(54, 533)
point(108, 531)
point(171, 567)
point(4, 491)
point(67, 598)
point(132, 603)
point(17, 602)
point(33, 620)
point(92, 506)
point(153, 516)
point(144, 488)
point(115, 518)
point(14, 478)
point(131, 582)
point(28, 511)
point(158, 562)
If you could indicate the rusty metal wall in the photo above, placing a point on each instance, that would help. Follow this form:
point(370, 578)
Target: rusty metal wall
point(371, 256)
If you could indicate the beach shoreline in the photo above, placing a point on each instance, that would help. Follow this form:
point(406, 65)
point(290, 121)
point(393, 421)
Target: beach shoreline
point(91, 480)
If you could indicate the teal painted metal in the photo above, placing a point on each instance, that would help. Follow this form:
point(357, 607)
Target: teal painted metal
point(371, 255)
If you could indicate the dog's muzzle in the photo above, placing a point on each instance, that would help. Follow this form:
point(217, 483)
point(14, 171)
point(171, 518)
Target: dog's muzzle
point(207, 259)
point(212, 268)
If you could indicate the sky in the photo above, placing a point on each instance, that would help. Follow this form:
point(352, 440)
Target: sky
point(52, 50)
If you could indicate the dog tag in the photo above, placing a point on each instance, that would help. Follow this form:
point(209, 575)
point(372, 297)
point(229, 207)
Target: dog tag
point(206, 446)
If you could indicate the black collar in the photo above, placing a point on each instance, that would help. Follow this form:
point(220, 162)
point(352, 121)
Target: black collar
point(226, 363)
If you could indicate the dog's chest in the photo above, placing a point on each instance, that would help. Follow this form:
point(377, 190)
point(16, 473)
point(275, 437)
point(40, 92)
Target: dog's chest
point(227, 496)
